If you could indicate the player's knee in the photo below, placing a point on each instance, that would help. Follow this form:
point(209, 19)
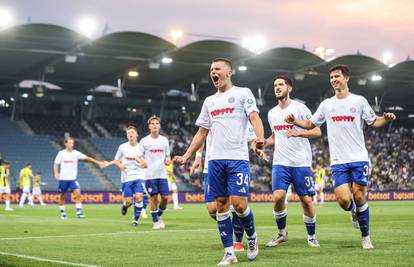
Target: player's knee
point(359, 199)
point(211, 207)
point(343, 202)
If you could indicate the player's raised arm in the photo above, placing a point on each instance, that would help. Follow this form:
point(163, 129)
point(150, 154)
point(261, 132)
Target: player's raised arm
point(198, 140)
point(97, 162)
point(384, 119)
point(312, 133)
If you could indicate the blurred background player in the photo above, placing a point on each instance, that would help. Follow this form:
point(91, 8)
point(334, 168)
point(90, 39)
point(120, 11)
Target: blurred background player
point(292, 160)
point(132, 173)
point(155, 150)
point(36, 191)
point(172, 185)
point(24, 183)
point(225, 114)
point(67, 159)
point(320, 176)
point(5, 183)
point(238, 228)
point(344, 114)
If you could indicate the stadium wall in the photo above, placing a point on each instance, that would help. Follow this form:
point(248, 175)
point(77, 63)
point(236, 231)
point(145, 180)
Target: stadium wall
point(198, 197)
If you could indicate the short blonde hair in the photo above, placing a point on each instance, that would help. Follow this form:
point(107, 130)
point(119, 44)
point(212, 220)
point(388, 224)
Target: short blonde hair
point(153, 117)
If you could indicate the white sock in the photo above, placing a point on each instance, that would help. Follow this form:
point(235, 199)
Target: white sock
point(322, 197)
point(7, 204)
point(229, 250)
point(22, 199)
point(30, 198)
point(175, 199)
point(41, 200)
point(78, 208)
point(315, 198)
point(62, 209)
point(143, 211)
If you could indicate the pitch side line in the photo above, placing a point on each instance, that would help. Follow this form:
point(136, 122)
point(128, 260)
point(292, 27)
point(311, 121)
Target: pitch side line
point(46, 260)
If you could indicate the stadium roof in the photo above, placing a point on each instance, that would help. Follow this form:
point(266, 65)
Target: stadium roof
point(75, 63)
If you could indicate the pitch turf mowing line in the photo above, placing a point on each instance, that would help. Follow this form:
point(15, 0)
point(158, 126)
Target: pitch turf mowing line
point(46, 260)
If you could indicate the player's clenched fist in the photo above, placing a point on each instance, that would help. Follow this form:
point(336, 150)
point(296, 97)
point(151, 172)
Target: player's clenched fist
point(260, 143)
point(180, 160)
point(389, 116)
point(290, 118)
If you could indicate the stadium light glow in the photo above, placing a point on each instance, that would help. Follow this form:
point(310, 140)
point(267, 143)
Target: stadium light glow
point(386, 57)
point(376, 78)
point(89, 97)
point(87, 26)
point(6, 18)
point(242, 68)
point(86, 103)
point(133, 73)
point(166, 60)
point(176, 35)
point(255, 44)
point(25, 95)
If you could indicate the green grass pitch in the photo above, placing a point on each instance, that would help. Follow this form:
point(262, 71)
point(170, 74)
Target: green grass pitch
point(106, 238)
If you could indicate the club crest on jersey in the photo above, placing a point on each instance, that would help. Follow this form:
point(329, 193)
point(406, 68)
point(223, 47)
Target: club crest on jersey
point(231, 100)
point(250, 101)
point(353, 110)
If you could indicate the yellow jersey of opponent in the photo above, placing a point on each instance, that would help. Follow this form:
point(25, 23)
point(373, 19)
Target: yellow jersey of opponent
point(169, 169)
point(25, 175)
point(320, 174)
point(4, 177)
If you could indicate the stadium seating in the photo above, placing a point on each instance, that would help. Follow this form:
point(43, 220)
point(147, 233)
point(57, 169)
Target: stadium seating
point(20, 148)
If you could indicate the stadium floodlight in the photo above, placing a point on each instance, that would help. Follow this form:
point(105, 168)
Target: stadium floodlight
point(242, 68)
point(376, 77)
point(166, 60)
point(89, 97)
point(25, 95)
point(11, 99)
point(87, 26)
point(133, 73)
point(6, 17)
point(86, 103)
point(176, 35)
point(255, 44)
point(386, 57)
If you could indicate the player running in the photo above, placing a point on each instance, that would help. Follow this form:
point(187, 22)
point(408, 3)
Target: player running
point(133, 173)
point(24, 184)
point(238, 228)
point(67, 159)
point(155, 150)
point(36, 191)
point(292, 159)
point(5, 184)
point(225, 115)
point(344, 114)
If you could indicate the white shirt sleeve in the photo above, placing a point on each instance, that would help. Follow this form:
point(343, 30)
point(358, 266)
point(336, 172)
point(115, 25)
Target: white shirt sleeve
point(141, 150)
point(118, 154)
point(318, 117)
point(80, 155)
point(368, 114)
point(167, 148)
point(58, 158)
point(203, 119)
point(250, 102)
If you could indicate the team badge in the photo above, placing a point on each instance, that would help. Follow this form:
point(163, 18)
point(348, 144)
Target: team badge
point(353, 109)
point(249, 101)
point(231, 100)
point(308, 117)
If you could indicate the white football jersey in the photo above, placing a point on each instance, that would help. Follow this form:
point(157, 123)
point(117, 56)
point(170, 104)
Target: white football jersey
point(344, 120)
point(68, 162)
point(127, 155)
point(225, 115)
point(250, 137)
point(293, 151)
point(154, 151)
